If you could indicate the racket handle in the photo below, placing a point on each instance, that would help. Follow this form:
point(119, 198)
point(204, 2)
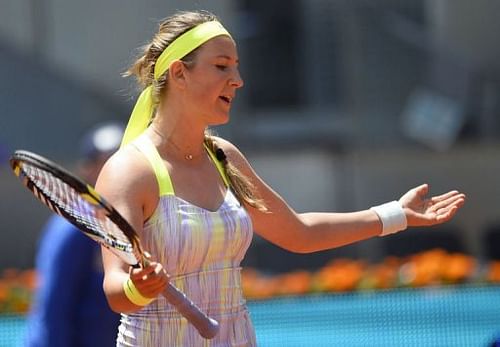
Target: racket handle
point(206, 326)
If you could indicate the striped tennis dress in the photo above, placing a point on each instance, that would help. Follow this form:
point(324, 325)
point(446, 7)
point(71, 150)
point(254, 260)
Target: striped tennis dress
point(201, 250)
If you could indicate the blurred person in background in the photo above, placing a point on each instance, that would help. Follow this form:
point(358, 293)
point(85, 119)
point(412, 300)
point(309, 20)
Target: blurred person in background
point(70, 308)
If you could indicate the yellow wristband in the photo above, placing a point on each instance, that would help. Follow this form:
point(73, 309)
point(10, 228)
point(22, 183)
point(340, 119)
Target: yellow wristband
point(133, 294)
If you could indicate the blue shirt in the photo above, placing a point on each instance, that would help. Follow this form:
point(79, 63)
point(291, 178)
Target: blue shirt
point(70, 308)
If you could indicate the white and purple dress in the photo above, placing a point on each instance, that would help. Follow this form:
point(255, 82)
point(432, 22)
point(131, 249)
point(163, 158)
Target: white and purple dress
point(201, 250)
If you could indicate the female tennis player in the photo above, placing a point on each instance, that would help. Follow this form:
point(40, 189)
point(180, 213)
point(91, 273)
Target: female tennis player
point(196, 201)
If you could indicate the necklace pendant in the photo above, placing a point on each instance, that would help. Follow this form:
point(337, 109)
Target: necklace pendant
point(189, 156)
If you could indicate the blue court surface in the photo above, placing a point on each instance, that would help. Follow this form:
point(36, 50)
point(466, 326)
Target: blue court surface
point(444, 316)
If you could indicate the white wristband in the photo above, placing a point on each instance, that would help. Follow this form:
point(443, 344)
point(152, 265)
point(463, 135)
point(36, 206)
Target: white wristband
point(392, 216)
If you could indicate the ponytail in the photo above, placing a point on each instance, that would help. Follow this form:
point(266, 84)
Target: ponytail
point(241, 186)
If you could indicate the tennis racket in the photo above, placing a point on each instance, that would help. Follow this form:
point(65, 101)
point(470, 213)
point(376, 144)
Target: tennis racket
point(80, 204)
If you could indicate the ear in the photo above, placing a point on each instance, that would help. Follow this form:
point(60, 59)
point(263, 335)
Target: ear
point(176, 73)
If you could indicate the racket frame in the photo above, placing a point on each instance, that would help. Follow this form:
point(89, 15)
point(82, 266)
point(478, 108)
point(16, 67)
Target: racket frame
point(206, 326)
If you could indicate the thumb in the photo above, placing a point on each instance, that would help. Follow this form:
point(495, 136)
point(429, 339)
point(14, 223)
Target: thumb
point(422, 190)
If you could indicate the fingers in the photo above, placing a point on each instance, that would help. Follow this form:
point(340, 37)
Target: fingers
point(434, 210)
point(446, 200)
point(414, 195)
point(446, 209)
point(139, 272)
point(445, 196)
point(445, 215)
point(150, 280)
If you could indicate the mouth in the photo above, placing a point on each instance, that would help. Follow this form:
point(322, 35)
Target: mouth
point(226, 98)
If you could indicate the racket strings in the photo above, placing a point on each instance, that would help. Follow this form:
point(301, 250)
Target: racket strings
point(62, 199)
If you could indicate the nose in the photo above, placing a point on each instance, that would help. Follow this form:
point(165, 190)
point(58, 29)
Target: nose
point(236, 81)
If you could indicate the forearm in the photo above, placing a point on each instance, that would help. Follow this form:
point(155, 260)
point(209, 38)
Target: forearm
point(320, 231)
point(128, 291)
point(314, 231)
point(115, 294)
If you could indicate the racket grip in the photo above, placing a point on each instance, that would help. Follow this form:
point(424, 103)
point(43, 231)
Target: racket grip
point(206, 326)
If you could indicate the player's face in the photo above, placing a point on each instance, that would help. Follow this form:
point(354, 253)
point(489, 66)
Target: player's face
point(213, 80)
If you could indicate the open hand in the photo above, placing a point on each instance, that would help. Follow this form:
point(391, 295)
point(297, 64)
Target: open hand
point(423, 211)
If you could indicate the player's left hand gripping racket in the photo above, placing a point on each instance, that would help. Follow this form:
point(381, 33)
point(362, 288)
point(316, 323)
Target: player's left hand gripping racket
point(79, 203)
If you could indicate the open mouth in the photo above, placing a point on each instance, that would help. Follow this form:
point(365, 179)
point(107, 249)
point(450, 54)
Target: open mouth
point(227, 99)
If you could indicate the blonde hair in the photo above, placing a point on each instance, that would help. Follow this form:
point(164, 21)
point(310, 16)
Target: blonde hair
point(241, 185)
point(143, 70)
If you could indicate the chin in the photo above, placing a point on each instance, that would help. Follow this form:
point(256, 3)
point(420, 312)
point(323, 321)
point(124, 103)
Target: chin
point(221, 120)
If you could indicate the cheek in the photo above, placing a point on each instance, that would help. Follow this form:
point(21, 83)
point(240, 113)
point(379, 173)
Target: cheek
point(207, 94)
point(203, 90)
point(207, 86)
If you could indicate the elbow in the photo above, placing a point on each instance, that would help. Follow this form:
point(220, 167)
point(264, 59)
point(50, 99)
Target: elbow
point(303, 248)
point(296, 239)
point(115, 307)
point(307, 247)
point(302, 242)
point(296, 245)
point(109, 299)
point(118, 306)
point(113, 299)
point(299, 239)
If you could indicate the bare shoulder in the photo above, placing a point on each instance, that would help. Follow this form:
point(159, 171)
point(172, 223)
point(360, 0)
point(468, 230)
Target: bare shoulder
point(126, 175)
point(238, 159)
point(232, 152)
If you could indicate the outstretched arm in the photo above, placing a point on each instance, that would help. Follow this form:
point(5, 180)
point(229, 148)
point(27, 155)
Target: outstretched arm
point(310, 232)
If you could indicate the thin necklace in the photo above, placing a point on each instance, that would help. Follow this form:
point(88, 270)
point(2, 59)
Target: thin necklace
point(188, 156)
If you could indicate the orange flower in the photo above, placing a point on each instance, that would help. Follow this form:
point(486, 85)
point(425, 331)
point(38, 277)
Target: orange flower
point(432, 267)
point(493, 274)
point(258, 286)
point(384, 275)
point(294, 283)
point(10, 276)
point(339, 275)
point(29, 279)
point(423, 268)
point(4, 291)
point(458, 268)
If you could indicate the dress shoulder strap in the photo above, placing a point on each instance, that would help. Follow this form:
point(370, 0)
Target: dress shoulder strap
point(149, 150)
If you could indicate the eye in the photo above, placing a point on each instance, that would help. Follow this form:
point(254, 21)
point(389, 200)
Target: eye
point(221, 67)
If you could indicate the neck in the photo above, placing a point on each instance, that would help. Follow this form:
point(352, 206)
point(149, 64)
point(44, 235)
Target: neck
point(186, 145)
point(178, 129)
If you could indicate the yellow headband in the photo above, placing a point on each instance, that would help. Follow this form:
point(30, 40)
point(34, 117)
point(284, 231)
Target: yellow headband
point(179, 48)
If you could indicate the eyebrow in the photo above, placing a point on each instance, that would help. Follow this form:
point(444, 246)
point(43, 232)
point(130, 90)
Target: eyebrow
point(227, 57)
